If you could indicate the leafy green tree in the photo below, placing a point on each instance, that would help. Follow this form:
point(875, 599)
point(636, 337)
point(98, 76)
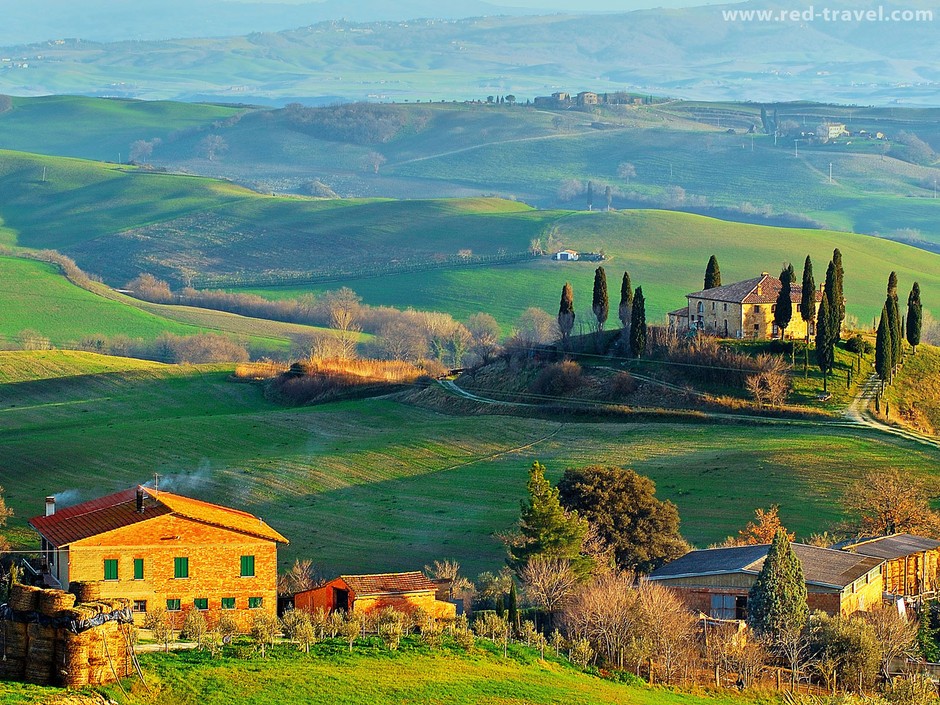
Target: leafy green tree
point(825, 347)
point(626, 301)
point(783, 311)
point(545, 528)
point(622, 506)
point(712, 273)
point(638, 324)
point(883, 348)
point(600, 304)
point(776, 604)
point(915, 317)
point(566, 312)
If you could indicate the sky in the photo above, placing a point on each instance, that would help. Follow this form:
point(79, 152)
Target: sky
point(565, 5)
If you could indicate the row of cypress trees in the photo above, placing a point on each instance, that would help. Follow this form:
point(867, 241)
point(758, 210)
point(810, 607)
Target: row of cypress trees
point(892, 330)
point(631, 311)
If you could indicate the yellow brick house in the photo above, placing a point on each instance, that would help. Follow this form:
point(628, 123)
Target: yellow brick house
point(742, 310)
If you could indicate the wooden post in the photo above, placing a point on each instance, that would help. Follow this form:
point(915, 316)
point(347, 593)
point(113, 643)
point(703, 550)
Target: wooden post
point(778, 678)
point(651, 678)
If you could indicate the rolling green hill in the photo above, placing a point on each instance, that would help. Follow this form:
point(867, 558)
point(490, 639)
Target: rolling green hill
point(421, 485)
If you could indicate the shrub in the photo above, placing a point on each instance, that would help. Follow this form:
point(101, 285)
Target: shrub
point(581, 653)
point(857, 344)
point(391, 627)
point(558, 379)
point(195, 628)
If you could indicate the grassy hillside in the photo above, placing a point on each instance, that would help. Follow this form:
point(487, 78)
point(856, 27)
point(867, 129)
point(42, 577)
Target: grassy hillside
point(664, 252)
point(99, 128)
point(914, 398)
point(421, 485)
point(35, 296)
point(371, 674)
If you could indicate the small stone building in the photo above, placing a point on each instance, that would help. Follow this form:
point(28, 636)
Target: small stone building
point(910, 562)
point(742, 310)
point(158, 549)
point(406, 592)
point(566, 256)
point(716, 581)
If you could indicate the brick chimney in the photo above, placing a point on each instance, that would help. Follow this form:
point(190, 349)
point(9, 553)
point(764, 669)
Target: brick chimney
point(140, 499)
point(50, 505)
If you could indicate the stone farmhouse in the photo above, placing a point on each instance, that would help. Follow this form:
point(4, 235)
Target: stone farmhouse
point(742, 310)
point(159, 549)
point(406, 592)
point(716, 581)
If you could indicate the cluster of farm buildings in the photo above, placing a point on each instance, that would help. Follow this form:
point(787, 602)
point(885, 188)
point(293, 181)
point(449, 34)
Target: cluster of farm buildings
point(161, 550)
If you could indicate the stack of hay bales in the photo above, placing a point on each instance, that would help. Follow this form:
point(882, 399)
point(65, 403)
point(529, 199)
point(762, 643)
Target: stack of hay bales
point(46, 638)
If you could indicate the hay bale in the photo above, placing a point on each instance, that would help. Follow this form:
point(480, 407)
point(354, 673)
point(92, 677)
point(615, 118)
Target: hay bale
point(24, 598)
point(15, 640)
point(85, 590)
point(54, 601)
point(77, 678)
point(12, 669)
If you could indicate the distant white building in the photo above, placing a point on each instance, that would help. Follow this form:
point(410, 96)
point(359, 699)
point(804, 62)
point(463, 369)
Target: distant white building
point(566, 256)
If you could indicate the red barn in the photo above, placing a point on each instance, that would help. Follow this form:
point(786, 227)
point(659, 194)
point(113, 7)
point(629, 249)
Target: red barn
point(406, 592)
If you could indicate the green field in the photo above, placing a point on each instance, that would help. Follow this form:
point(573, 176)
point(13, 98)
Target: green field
point(372, 674)
point(378, 485)
point(664, 252)
point(34, 296)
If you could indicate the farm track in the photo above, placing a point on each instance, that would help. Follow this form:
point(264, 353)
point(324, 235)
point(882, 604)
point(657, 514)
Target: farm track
point(857, 412)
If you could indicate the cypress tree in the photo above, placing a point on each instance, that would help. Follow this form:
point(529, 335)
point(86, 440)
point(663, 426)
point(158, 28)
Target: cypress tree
point(609, 197)
point(894, 320)
point(883, 347)
point(832, 298)
point(626, 301)
point(808, 296)
point(566, 312)
point(915, 317)
point(638, 324)
point(783, 310)
point(513, 608)
point(712, 273)
point(590, 195)
point(776, 604)
point(839, 294)
point(600, 304)
point(824, 343)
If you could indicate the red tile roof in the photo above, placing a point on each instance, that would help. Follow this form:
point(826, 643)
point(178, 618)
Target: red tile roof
point(759, 290)
point(385, 583)
point(118, 510)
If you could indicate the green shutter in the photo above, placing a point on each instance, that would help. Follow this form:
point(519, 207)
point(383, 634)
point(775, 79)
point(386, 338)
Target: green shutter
point(248, 567)
point(180, 567)
point(173, 605)
point(228, 603)
point(201, 603)
point(138, 569)
point(110, 569)
point(255, 603)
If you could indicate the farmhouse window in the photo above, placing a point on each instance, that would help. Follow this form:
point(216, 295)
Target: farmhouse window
point(180, 567)
point(228, 603)
point(756, 309)
point(255, 603)
point(140, 605)
point(248, 567)
point(726, 307)
point(713, 305)
point(701, 307)
point(173, 606)
point(111, 569)
point(138, 569)
point(201, 603)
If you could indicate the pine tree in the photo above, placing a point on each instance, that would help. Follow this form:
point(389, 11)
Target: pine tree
point(824, 343)
point(839, 294)
point(712, 273)
point(915, 317)
point(883, 347)
point(545, 528)
point(638, 324)
point(600, 304)
point(783, 310)
point(566, 312)
point(776, 604)
point(626, 301)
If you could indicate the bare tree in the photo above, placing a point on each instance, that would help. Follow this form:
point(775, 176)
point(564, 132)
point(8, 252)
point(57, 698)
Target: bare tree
point(374, 161)
point(212, 146)
point(484, 336)
point(626, 170)
point(301, 576)
point(669, 628)
point(605, 612)
point(896, 636)
point(889, 502)
point(344, 307)
point(548, 582)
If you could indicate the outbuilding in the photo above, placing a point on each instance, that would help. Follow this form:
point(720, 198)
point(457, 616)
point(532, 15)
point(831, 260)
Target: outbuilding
point(406, 592)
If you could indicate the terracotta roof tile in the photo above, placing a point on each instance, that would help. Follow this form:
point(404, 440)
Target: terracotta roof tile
point(384, 583)
point(759, 290)
point(118, 510)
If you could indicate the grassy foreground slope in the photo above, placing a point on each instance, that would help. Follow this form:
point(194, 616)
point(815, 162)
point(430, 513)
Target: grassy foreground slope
point(378, 485)
point(373, 674)
point(665, 253)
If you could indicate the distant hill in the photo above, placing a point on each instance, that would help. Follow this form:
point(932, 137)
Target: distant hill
point(691, 53)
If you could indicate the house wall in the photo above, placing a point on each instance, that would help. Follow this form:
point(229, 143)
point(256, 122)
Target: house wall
point(713, 316)
point(744, 320)
point(214, 557)
point(322, 598)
